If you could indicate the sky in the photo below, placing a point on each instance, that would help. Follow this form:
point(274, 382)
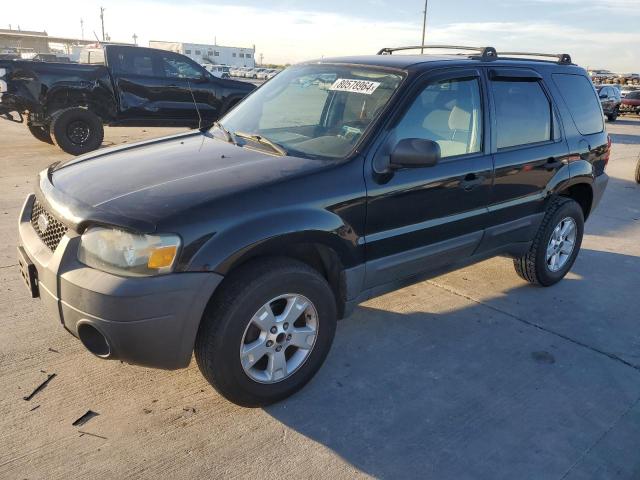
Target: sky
point(597, 33)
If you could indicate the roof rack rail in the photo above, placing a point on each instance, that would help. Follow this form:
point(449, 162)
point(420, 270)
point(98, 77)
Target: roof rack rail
point(485, 53)
point(563, 58)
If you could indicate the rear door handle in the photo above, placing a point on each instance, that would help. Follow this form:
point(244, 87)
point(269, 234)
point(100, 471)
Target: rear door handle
point(471, 181)
point(552, 164)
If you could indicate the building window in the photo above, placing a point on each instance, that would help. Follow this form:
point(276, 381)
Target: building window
point(248, 55)
point(234, 55)
point(187, 52)
point(216, 54)
point(198, 52)
point(242, 55)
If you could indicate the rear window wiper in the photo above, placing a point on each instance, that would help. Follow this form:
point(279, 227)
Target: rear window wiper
point(262, 140)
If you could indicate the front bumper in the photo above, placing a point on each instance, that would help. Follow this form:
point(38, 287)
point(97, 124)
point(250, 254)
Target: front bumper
point(150, 321)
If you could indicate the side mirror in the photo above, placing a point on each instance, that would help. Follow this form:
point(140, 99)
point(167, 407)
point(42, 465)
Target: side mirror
point(414, 153)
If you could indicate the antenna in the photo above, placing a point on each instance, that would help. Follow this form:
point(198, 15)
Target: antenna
point(195, 104)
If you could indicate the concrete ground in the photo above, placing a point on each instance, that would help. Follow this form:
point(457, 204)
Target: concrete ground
point(472, 375)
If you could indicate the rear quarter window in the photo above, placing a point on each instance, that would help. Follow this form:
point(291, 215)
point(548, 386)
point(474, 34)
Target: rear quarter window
point(581, 99)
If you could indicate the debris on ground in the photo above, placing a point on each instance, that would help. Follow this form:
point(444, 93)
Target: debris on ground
point(39, 387)
point(35, 408)
point(85, 418)
point(91, 434)
point(53, 350)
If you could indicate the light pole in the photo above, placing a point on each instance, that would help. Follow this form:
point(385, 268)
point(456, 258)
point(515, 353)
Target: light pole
point(102, 21)
point(424, 23)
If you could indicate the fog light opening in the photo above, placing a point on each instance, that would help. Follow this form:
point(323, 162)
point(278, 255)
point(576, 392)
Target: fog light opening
point(93, 340)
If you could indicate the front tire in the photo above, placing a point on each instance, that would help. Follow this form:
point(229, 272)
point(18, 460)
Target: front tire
point(556, 245)
point(267, 331)
point(613, 116)
point(41, 133)
point(77, 130)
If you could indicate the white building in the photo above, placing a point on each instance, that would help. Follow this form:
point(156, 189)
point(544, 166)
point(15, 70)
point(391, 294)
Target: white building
point(216, 54)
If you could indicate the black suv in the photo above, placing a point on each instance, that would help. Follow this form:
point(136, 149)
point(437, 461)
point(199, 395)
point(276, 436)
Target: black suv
point(611, 99)
point(336, 181)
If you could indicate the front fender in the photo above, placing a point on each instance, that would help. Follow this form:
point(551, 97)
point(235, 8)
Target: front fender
point(272, 234)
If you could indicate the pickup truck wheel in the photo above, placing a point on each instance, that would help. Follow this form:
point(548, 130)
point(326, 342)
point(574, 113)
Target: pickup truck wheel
point(267, 332)
point(555, 246)
point(77, 130)
point(613, 116)
point(41, 133)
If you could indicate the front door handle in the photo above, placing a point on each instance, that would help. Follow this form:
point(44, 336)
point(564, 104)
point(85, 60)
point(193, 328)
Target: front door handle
point(553, 164)
point(471, 181)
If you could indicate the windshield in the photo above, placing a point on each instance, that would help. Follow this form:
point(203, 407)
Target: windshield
point(315, 111)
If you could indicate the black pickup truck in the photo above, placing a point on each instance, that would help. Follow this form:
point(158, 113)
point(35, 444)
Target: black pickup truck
point(114, 85)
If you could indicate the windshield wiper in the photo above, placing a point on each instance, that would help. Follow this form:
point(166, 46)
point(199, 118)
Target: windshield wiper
point(227, 134)
point(262, 140)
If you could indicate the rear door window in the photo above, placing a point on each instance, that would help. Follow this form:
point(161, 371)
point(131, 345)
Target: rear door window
point(582, 101)
point(523, 113)
point(135, 63)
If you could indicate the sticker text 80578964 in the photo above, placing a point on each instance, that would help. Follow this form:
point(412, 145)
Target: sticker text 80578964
point(354, 86)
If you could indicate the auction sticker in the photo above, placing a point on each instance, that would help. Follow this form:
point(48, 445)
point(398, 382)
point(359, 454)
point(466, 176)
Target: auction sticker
point(354, 86)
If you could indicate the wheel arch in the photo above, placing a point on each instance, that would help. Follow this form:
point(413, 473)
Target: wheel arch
point(325, 252)
point(66, 96)
point(582, 193)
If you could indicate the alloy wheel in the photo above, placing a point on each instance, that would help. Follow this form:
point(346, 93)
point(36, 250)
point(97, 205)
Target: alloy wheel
point(279, 338)
point(561, 244)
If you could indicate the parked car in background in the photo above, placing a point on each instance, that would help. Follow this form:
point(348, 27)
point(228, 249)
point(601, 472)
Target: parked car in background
point(219, 71)
point(611, 100)
point(273, 73)
point(262, 75)
point(601, 75)
point(631, 103)
point(626, 89)
point(340, 180)
point(119, 85)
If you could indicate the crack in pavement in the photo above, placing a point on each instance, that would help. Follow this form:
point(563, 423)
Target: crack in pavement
point(8, 266)
point(599, 439)
point(612, 356)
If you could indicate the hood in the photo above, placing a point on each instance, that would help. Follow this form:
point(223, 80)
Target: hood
point(154, 180)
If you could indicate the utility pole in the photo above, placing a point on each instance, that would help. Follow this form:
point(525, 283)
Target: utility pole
point(102, 21)
point(261, 59)
point(135, 39)
point(424, 23)
point(82, 28)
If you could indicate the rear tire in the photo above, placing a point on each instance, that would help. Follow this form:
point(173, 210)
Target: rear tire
point(41, 133)
point(246, 322)
point(77, 130)
point(549, 259)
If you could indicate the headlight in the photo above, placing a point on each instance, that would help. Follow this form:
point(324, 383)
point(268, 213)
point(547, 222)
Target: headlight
point(123, 253)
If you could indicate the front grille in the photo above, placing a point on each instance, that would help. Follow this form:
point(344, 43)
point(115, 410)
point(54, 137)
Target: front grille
point(53, 229)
